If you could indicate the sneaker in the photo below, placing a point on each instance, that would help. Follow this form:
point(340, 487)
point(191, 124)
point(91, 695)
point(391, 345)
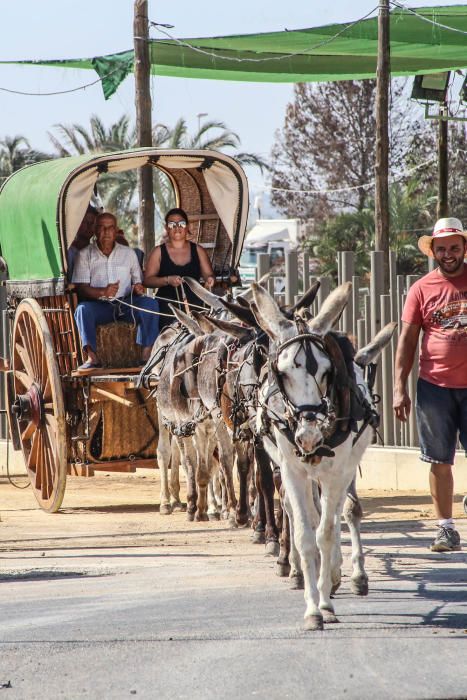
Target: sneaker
point(447, 540)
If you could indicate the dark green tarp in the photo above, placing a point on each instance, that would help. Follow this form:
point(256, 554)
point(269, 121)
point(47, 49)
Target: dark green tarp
point(419, 45)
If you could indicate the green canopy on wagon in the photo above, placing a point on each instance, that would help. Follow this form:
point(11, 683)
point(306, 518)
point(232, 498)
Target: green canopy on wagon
point(425, 40)
point(42, 205)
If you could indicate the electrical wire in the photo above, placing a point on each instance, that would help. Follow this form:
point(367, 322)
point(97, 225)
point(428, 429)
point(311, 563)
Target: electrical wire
point(282, 57)
point(61, 92)
point(157, 26)
point(354, 187)
point(13, 483)
point(401, 6)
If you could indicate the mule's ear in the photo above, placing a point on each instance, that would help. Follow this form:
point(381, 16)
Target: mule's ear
point(331, 309)
point(371, 351)
point(247, 295)
point(244, 314)
point(267, 313)
point(241, 301)
point(186, 321)
point(306, 299)
point(232, 329)
point(208, 297)
point(204, 322)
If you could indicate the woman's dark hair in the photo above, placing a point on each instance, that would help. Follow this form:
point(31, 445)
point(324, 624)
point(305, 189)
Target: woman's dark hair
point(178, 211)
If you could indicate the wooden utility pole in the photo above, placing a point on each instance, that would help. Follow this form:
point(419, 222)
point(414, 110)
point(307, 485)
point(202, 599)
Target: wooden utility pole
point(143, 122)
point(443, 163)
point(442, 208)
point(382, 140)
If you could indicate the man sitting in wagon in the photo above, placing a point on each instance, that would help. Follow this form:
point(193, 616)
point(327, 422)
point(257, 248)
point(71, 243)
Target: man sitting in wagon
point(108, 278)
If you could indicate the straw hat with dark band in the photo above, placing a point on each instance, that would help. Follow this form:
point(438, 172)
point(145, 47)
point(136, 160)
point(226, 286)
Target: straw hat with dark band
point(443, 227)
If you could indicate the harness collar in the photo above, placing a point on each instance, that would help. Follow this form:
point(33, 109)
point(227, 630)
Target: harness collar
point(334, 426)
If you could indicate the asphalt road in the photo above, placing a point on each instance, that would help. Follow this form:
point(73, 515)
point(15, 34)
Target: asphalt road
point(116, 601)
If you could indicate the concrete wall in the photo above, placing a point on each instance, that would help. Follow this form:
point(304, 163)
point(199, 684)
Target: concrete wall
point(395, 469)
point(400, 469)
point(16, 462)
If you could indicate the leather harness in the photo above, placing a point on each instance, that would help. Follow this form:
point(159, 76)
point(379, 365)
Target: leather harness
point(334, 412)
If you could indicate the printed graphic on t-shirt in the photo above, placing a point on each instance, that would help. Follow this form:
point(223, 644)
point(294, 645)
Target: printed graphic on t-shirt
point(439, 306)
point(452, 315)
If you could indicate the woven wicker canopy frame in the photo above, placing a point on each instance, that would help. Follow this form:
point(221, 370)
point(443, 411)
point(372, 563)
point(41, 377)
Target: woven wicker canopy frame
point(211, 187)
point(54, 196)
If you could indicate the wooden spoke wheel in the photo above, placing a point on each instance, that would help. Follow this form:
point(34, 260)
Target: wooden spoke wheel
point(38, 405)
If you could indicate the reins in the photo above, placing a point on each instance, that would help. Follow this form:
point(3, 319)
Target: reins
point(325, 413)
point(309, 412)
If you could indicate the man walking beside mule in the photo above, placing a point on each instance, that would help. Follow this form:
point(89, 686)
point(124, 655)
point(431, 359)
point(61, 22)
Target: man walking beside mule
point(437, 304)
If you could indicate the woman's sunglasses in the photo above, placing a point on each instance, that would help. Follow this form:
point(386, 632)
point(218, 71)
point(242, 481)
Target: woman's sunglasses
point(176, 224)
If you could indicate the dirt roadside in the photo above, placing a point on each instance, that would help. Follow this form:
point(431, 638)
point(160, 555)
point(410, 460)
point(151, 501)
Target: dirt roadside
point(114, 510)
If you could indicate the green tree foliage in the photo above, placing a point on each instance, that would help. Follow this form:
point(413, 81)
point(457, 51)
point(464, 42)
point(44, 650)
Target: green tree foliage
point(328, 143)
point(352, 231)
point(410, 215)
point(15, 153)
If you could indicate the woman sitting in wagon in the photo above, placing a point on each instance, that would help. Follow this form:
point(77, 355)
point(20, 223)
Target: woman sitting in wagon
point(175, 259)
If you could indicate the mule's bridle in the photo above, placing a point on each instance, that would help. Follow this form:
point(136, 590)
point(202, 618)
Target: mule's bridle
point(308, 412)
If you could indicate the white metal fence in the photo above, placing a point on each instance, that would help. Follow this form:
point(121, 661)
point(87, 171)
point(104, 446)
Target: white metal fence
point(367, 312)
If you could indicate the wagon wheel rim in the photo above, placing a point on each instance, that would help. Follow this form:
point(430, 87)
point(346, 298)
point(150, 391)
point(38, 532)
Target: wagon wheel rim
point(39, 405)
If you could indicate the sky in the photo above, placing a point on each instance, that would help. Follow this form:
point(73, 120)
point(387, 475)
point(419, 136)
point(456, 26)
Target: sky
point(70, 29)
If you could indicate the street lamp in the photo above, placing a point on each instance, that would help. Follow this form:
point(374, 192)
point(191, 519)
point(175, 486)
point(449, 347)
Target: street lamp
point(431, 88)
point(200, 115)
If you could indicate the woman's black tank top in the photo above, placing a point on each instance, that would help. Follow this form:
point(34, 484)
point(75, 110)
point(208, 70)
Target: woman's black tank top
point(169, 267)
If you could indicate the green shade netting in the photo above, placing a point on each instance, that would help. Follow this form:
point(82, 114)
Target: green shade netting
point(319, 54)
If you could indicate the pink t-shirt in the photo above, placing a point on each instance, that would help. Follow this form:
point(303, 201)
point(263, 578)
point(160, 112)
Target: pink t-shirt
point(439, 305)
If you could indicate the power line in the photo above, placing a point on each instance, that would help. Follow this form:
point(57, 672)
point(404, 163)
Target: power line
point(197, 50)
point(282, 57)
point(433, 22)
point(48, 94)
point(61, 92)
point(363, 186)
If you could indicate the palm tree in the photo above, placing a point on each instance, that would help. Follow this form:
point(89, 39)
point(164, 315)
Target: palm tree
point(15, 153)
point(119, 190)
point(217, 136)
point(76, 139)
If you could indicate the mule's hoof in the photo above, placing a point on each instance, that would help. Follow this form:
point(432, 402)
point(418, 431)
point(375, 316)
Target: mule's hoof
point(241, 522)
point(329, 616)
point(165, 509)
point(272, 548)
point(313, 623)
point(258, 537)
point(359, 586)
point(225, 515)
point(282, 569)
point(232, 523)
point(335, 587)
point(201, 517)
point(178, 507)
point(190, 516)
point(214, 516)
point(297, 582)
